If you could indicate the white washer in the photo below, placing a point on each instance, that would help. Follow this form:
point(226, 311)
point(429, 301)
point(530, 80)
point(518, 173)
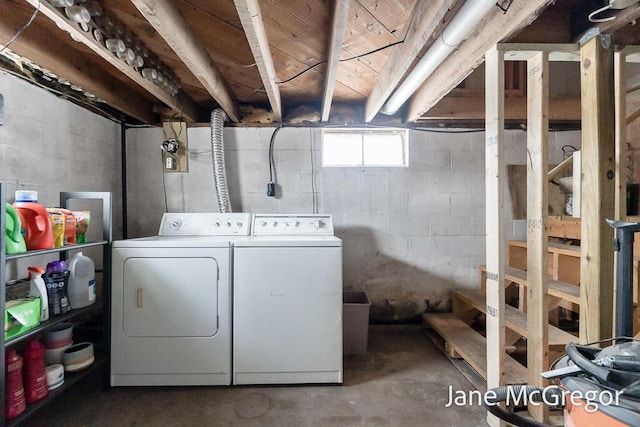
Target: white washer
point(171, 302)
point(287, 321)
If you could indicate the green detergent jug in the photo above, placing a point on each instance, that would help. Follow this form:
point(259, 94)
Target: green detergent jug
point(14, 241)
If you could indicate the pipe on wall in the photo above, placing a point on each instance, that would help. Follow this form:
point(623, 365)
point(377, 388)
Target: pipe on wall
point(217, 154)
point(460, 27)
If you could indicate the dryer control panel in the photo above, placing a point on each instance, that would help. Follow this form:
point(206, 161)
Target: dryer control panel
point(292, 225)
point(205, 224)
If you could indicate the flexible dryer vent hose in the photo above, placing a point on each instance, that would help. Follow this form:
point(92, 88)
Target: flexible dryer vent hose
point(217, 154)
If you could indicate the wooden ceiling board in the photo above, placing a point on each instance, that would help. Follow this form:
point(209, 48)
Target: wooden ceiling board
point(223, 10)
point(295, 38)
point(311, 81)
point(343, 92)
point(365, 34)
point(314, 13)
point(298, 33)
point(357, 76)
point(393, 14)
point(292, 36)
point(226, 44)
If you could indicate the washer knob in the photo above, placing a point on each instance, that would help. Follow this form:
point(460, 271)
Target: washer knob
point(228, 223)
point(217, 224)
point(239, 224)
point(274, 224)
point(263, 223)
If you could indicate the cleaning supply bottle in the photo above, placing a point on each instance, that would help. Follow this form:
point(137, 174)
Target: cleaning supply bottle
point(14, 242)
point(56, 278)
point(37, 288)
point(35, 374)
point(35, 220)
point(15, 403)
point(82, 281)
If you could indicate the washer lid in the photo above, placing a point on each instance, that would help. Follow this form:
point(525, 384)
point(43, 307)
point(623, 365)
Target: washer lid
point(289, 241)
point(175, 242)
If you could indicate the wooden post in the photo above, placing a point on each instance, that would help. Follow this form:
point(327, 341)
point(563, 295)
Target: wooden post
point(495, 241)
point(598, 182)
point(537, 213)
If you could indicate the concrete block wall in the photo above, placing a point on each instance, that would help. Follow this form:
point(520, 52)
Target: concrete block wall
point(51, 145)
point(410, 234)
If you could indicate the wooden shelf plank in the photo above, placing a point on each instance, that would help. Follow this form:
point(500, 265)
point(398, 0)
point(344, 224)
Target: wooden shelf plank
point(559, 248)
point(515, 319)
point(472, 346)
point(556, 288)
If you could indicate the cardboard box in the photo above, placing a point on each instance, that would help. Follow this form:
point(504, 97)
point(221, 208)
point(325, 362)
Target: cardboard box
point(21, 315)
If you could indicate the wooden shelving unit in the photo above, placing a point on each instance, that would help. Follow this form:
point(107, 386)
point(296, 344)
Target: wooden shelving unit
point(549, 274)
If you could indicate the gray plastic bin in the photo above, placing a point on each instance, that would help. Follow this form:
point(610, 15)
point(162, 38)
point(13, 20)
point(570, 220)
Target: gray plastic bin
point(355, 322)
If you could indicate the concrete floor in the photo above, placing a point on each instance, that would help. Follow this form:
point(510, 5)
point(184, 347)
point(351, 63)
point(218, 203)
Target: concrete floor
point(403, 380)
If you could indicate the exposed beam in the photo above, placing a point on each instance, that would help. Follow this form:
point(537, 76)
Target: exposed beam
point(598, 166)
point(251, 18)
point(339, 24)
point(633, 117)
point(495, 27)
point(559, 170)
point(566, 52)
point(48, 50)
point(425, 18)
point(166, 18)
point(473, 108)
point(495, 176)
point(182, 104)
point(537, 214)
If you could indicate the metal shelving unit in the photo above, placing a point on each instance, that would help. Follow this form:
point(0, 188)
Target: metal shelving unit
point(102, 349)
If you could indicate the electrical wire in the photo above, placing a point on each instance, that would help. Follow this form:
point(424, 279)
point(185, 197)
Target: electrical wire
point(341, 60)
point(597, 11)
point(272, 166)
point(314, 200)
point(164, 185)
point(35, 13)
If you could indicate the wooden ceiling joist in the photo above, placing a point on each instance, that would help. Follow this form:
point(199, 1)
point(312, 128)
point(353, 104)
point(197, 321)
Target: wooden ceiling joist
point(425, 18)
point(496, 26)
point(181, 104)
point(339, 23)
point(175, 30)
point(47, 50)
point(251, 18)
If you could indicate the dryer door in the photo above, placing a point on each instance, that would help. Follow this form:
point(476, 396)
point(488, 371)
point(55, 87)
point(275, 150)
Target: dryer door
point(169, 295)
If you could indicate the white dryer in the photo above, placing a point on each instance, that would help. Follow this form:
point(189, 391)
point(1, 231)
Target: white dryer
point(287, 321)
point(171, 302)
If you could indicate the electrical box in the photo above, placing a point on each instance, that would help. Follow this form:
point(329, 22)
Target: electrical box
point(175, 132)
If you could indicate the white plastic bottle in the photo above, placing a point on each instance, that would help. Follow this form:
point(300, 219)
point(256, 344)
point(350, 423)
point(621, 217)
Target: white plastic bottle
point(82, 282)
point(37, 288)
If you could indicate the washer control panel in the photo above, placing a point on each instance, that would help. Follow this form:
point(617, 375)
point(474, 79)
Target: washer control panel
point(292, 225)
point(205, 224)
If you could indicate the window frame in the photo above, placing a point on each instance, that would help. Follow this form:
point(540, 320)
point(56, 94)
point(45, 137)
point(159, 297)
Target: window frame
point(404, 133)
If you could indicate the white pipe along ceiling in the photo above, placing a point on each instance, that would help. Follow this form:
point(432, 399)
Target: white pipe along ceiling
point(460, 27)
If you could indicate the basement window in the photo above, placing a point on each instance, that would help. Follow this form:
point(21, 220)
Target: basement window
point(365, 147)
